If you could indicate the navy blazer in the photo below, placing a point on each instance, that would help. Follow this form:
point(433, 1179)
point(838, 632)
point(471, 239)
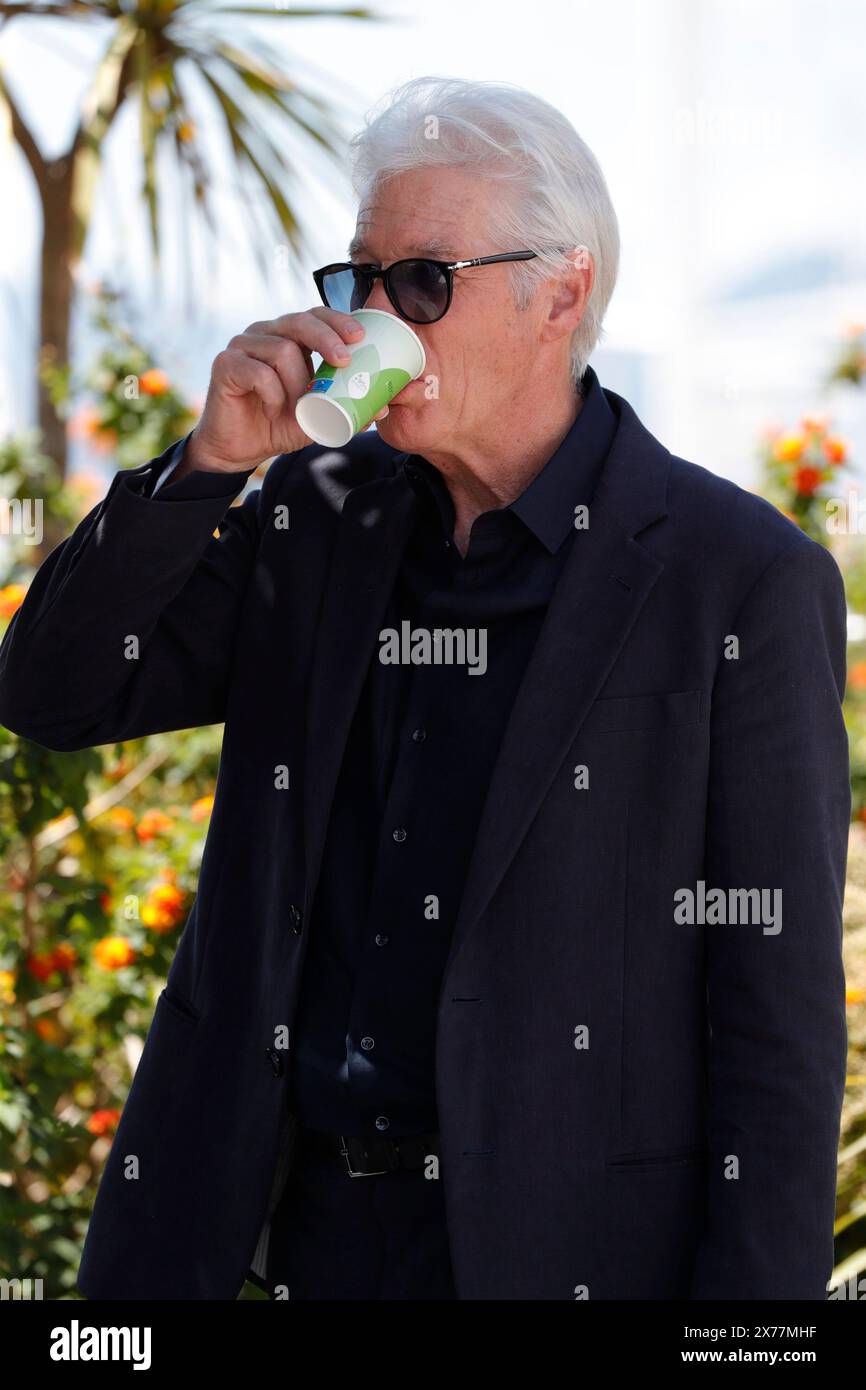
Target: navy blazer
point(630, 1107)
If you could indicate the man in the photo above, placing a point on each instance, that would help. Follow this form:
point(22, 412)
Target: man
point(515, 975)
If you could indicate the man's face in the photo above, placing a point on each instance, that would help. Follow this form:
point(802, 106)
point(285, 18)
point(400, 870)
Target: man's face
point(477, 353)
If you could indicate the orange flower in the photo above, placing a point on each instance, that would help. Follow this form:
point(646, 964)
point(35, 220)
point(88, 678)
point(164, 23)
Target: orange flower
point(113, 952)
point(154, 382)
point(7, 986)
point(186, 132)
point(834, 450)
point(789, 448)
point(855, 996)
point(64, 956)
point(41, 965)
point(857, 676)
point(11, 599)
point(84, 422)
point(806, 480)
point(86, 489)
point(201, 809)
point(103, 1121)
point(103, 441)
point(48, 1030)
point(813, 424)
point(122, 817)
point(163, 907)
point(152, 823)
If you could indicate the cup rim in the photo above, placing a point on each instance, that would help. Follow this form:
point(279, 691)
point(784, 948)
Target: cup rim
point(334, 405)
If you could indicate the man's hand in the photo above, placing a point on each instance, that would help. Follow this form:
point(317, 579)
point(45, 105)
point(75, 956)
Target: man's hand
point(249, 414)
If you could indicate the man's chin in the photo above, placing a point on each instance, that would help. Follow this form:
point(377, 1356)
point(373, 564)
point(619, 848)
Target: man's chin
point(399, 420)
point(412, 421)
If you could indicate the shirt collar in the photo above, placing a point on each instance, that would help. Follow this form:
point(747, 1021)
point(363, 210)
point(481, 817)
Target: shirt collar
point(546, 506)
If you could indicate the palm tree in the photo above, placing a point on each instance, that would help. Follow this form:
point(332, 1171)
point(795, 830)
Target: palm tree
point(152, 46)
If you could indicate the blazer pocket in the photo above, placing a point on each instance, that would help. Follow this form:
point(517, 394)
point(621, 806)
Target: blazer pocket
point(179, 1005)
point(644, 711)
point(651, 1159)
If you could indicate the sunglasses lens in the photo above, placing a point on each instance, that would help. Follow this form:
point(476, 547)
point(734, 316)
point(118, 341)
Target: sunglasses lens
point(421, 290)
point(347, 290)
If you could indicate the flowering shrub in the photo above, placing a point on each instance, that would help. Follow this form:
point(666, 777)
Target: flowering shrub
point(850, 364)
point(801, 472)
point(133, 410)
point(99, 859)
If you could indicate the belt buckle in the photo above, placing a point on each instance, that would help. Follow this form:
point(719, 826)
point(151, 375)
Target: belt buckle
point(344, 1150)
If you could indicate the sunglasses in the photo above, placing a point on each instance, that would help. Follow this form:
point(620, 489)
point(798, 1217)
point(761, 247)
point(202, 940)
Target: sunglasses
point(419, 289)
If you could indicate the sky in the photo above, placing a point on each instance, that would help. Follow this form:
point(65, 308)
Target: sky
point(730, 134)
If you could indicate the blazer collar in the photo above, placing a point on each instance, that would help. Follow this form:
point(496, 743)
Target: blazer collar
point(603, 586)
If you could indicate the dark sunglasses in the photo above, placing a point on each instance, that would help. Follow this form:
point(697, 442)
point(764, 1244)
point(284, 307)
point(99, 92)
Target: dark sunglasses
point(419, 289)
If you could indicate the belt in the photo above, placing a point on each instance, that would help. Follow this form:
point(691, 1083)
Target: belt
point(369, 1156)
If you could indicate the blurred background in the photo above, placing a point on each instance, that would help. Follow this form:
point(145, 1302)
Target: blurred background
point(170, 171)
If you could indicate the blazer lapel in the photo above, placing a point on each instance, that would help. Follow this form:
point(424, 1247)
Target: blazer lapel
point(372, 533)
point(605, 582)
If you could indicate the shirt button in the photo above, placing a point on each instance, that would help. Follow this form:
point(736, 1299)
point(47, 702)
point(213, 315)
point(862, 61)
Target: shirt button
point(399, 835)
point(419, 735)
point(368, 1043)
point(381, 939)
point(382, 1122)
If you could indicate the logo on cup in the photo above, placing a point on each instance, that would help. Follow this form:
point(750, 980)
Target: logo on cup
point(319, 384)
point(359, 385)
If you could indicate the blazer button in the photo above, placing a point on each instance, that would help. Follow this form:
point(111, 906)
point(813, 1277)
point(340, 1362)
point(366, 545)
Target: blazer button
point(276, 1061)
point(296, 918)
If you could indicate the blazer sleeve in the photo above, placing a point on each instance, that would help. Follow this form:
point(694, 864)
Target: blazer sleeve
point(778, 816)
point(128, 626)
point(174, 457)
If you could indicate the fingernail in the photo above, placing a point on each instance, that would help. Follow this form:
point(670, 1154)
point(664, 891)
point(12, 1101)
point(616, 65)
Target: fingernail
point(343, 353)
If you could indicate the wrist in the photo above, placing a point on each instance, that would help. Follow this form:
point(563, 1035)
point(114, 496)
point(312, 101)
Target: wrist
point(195, 457)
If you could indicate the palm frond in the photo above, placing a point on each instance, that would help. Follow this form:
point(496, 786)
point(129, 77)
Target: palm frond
point(71, 9)
point(153, 43)
point(243, 137)
point(288, 97)
point(300, 12)
point(150, 126)
point(99, 108)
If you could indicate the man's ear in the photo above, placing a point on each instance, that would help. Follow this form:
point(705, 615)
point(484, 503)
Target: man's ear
point(570, 292)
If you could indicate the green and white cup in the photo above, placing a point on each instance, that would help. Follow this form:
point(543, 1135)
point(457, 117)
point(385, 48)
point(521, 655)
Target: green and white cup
point(340, 402)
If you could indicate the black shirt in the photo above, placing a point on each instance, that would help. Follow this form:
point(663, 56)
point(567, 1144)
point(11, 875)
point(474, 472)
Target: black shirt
point(413, 780)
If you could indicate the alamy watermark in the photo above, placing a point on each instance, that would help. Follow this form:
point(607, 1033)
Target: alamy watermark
point(77, 1343)
point(438, 646)
point(701, 906)
point(22, 516)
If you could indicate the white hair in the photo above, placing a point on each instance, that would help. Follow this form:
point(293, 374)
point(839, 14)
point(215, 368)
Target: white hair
point(558, 196)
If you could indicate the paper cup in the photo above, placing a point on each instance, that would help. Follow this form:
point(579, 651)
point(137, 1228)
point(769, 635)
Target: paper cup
point(340, 402)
